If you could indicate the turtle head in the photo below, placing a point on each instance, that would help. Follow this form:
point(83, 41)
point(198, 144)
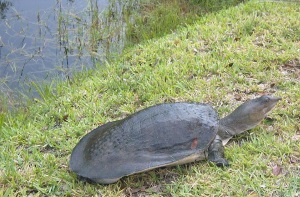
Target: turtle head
point(249, 114)
point(259, 107)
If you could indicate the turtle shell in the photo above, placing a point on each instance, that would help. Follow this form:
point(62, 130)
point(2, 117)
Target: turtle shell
point(156, 136)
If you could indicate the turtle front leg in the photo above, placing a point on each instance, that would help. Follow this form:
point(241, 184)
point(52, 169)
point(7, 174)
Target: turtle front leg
point(216, 153)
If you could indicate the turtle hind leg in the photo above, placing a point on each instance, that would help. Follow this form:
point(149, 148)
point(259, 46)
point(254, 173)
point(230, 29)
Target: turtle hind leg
point(216, 153)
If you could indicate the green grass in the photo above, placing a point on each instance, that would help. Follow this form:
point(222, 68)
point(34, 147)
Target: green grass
point(240, 52)
point(157, 18)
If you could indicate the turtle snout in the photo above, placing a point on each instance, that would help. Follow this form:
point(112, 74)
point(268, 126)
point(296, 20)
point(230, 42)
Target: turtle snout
point(276, 99)
point(271, 104)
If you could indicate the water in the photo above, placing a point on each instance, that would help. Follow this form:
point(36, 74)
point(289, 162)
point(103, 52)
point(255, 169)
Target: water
point(43, 40)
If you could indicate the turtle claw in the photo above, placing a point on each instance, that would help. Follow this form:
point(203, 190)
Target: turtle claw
point(222, 163)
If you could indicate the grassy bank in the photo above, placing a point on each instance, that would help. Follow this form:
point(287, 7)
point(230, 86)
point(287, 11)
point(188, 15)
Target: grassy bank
point(223, 59)
point(157, 18)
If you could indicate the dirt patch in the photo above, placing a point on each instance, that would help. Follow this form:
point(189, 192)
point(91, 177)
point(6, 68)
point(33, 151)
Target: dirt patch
point(291, 67)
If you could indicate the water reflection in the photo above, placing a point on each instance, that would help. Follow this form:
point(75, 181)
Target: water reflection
point(41, 40)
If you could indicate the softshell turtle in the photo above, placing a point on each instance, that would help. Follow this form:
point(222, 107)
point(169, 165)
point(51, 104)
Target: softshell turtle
point(163, 135)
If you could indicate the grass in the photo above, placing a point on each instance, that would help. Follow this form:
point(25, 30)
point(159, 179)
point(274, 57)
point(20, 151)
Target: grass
point(223, 59)
point(157, 18)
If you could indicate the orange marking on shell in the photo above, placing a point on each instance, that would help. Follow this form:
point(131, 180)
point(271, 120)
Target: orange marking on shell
point(194, 143)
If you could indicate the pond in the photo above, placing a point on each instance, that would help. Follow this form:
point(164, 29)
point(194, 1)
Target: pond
point(45, 40)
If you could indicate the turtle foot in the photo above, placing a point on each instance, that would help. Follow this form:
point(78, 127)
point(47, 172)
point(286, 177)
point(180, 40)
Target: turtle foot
point(221, 162)
point(216, 153)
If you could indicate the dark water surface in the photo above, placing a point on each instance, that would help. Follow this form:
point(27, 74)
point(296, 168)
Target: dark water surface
point(45, 39)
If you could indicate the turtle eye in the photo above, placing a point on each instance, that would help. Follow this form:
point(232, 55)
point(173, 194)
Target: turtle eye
point(267, 99)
